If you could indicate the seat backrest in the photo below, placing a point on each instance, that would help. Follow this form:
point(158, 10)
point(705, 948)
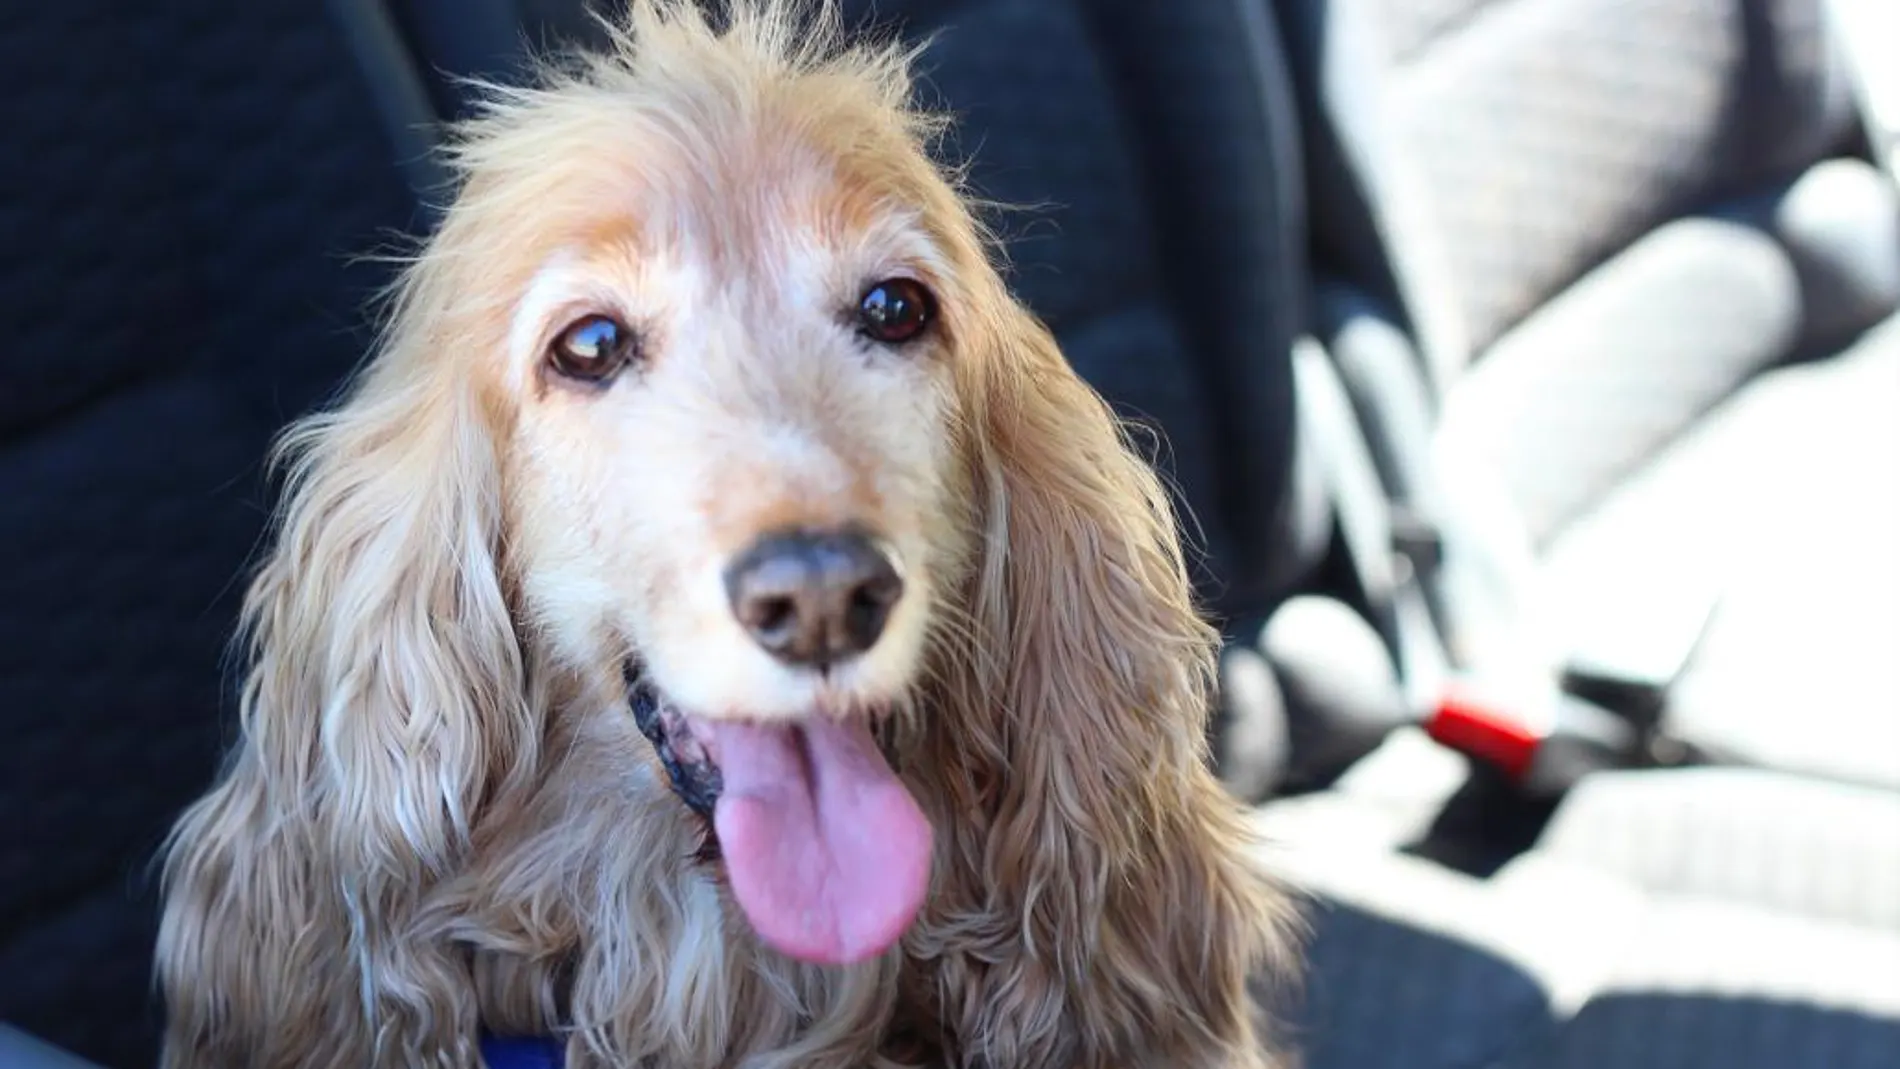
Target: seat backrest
point(183, 188)
point(1552, 234)
point(1472, 158)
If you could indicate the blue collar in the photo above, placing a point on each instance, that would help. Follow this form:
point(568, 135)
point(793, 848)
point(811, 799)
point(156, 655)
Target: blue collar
point(517, 1052)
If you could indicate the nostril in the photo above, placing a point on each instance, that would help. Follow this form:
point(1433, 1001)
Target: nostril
point(870, 598)
point(865, 614)
point(770, 615)
point(870, 588)
point(814, 599)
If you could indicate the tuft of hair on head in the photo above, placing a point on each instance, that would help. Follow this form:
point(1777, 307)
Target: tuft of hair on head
point(676, 72)
point(695, 59)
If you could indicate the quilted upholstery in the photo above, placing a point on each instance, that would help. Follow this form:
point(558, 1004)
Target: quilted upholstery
point(1803, 846)
point(1600, 379)
point(1708, 942)
point(1437, 998)
point(183, 185)
point(1717, 1032)
point(1208, 102)
point(1597, 225)
point(1548, 133)
point(1592, 384)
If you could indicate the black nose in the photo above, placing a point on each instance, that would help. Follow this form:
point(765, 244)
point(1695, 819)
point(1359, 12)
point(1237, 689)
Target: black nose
point(813, 599)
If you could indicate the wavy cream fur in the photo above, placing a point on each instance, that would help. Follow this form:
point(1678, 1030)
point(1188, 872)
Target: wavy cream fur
point(439, 816)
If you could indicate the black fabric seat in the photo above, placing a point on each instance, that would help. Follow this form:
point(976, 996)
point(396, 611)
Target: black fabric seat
point(183, 190)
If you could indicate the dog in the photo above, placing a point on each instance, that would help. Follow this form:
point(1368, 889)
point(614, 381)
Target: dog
point(718, 628)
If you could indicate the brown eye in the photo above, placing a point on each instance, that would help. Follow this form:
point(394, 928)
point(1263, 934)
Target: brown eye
point(895, 311)
point(593, 349)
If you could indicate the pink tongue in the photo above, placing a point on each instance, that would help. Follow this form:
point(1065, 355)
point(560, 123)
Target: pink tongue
point(828, 854)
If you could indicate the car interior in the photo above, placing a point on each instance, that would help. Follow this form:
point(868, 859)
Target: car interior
point(1530, 371)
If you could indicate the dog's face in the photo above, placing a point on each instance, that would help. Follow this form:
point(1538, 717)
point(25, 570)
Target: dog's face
point(732, 451)
point(731, 469)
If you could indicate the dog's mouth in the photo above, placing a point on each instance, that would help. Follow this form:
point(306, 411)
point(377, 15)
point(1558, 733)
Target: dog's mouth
point(690, 769)
point(825, 849)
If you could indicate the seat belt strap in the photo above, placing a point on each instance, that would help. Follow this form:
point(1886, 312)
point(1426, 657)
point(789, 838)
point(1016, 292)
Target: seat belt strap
point(1331, 431)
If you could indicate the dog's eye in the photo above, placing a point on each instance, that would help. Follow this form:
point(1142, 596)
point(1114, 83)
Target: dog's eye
point(895, 311)
point(593, 349)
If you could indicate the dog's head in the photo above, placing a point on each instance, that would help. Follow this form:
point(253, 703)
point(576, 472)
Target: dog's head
point(706, 380)
point(729, 382)
point(729, 378)
point(734, 291)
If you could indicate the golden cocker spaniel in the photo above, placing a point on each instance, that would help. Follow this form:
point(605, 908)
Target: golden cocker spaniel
point(718, 628)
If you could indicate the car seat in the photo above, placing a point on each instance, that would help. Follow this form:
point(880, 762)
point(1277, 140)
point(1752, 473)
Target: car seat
point(1597, 283)
point(1609, 286)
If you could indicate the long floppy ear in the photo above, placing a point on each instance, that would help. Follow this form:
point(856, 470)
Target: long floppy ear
point(1111, 842)
point(384, 703)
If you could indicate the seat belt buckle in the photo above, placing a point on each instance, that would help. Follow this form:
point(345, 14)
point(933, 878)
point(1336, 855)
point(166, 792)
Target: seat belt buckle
point(1485, 730)
point(1542, 742)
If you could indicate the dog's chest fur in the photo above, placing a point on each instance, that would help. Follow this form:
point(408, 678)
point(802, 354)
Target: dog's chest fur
point(606, 826)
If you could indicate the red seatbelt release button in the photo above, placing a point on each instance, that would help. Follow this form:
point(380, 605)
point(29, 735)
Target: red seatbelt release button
point(1484, 730)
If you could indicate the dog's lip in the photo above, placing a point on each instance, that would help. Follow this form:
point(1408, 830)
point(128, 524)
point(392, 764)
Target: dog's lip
point(692, 771)
point(703, 733)
point(691, 756)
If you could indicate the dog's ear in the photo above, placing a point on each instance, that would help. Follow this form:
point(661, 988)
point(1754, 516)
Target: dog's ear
point(384, 702)
point(1082, 584)
point(1110, 844)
